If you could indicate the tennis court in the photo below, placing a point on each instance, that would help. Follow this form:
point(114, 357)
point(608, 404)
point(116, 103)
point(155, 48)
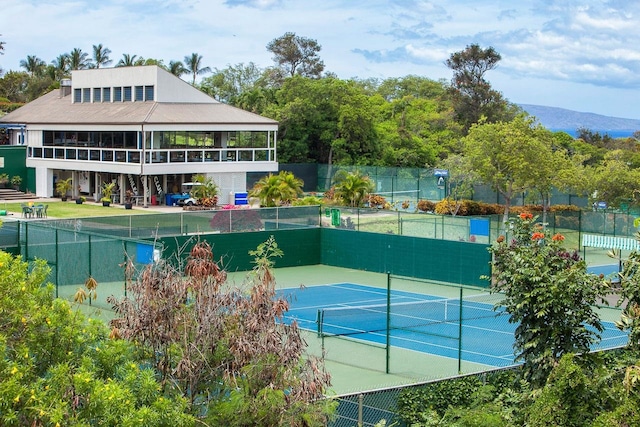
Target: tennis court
point(415, 322)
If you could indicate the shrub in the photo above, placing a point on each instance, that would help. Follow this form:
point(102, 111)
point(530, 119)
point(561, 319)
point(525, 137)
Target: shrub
point(426, 206)
point(446, 206)
point(376, 201)
point(561, 208)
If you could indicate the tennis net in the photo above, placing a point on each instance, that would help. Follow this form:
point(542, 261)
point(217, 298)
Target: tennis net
point(431, 317)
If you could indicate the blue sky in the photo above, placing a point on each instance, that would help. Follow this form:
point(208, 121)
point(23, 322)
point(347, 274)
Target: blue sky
point(579, 55)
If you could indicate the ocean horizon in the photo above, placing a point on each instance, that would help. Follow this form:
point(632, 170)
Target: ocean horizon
point(615, 133)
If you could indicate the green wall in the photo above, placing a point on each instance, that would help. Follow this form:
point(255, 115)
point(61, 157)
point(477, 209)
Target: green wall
point(15, 163)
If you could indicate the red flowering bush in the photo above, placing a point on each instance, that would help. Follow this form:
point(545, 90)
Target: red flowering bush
point(548, 293)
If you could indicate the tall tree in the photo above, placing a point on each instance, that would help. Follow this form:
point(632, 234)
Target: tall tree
point(61, 65)
point(613, 181)
point(506, 154)
point(176, 68)
point(78, 60)
point(1, 46)
point(193, 65)
point(472, 94)
point(33, 65)
point(297, 55)
point(101, 56)
point(128, 60)
point(325, 120)
point(229, 84)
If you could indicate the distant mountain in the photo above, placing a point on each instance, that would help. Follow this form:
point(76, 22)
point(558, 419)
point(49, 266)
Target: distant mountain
point(560, 119)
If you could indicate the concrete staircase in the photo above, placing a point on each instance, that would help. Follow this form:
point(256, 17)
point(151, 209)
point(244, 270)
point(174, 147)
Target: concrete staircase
point(9, 194)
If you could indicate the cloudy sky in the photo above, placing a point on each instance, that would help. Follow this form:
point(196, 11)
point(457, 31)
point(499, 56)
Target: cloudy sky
point(580, 55)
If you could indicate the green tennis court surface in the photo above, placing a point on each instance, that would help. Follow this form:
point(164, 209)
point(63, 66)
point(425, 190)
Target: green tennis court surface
point(415, 322)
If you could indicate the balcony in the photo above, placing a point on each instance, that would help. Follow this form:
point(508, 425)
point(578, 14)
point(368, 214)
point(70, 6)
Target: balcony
point(154, 157)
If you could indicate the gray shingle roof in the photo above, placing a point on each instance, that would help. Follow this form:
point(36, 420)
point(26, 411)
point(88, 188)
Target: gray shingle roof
point(52, 109)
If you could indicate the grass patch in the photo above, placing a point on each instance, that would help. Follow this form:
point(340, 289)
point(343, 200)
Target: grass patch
point(73, 210)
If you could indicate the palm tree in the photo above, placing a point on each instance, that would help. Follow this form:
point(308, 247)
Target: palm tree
point(33, 65)
point(192, 65)
point(78, 59)
point(101, 55)
point(61, 66)
point(177, 68)
point(1, 47)
point(129, 60)
point(275, 190)
point(352, 188)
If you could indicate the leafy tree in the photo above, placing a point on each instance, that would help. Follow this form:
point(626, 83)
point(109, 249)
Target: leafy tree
point(459, 183)
point(571, 397)
point(58, 368)
point(556, 170)
point(326, 121)
point(101, 56)
point(78, 60)
point(352, 188)
point(296, 55)
point(275, 190)
point(506, 155)
point(629, 295)
point(229, 84)
point(416, 131)
point(193, 65)
point(472, 94)
point(613, 181)
point(13, 86)
point(548, 294)
point(33, 65)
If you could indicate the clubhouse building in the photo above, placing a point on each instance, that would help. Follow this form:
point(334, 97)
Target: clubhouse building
point(142, 128)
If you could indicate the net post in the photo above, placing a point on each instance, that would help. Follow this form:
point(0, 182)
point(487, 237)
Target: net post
point(388, 337)
point(460, 334)
point(319, 322)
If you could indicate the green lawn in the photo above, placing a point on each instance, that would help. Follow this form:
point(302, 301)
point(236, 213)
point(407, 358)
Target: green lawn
point(59, 209)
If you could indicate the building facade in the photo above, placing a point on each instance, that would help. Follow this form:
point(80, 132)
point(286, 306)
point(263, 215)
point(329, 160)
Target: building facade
point(142, 128)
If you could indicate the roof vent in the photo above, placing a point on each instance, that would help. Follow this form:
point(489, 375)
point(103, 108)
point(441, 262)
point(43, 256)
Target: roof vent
point(65, 87)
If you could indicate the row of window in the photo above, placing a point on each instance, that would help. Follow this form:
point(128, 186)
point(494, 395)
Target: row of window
point(114, 94)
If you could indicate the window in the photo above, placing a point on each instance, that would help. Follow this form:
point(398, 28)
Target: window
point(117, 94)
point(96, 94)
point(139, 93)
point(77, 95)
point(106, 94)
point(86, 95)
point(148, 93)
point(127, 94)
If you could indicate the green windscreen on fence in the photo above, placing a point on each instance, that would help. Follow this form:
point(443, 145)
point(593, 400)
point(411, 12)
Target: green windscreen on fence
point(299, 246)
point(74, 256)
point(441, 260)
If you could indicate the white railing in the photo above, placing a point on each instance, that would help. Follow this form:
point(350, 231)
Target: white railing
point(173, 156)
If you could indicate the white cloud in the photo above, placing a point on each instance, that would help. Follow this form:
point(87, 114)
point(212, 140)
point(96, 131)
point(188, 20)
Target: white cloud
point(585, 44)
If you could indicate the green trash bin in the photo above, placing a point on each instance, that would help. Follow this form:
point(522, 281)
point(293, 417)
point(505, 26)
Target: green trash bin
point(3, 213)
point(335, 217)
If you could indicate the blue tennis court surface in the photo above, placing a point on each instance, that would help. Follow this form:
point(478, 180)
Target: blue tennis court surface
point(422, 323)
